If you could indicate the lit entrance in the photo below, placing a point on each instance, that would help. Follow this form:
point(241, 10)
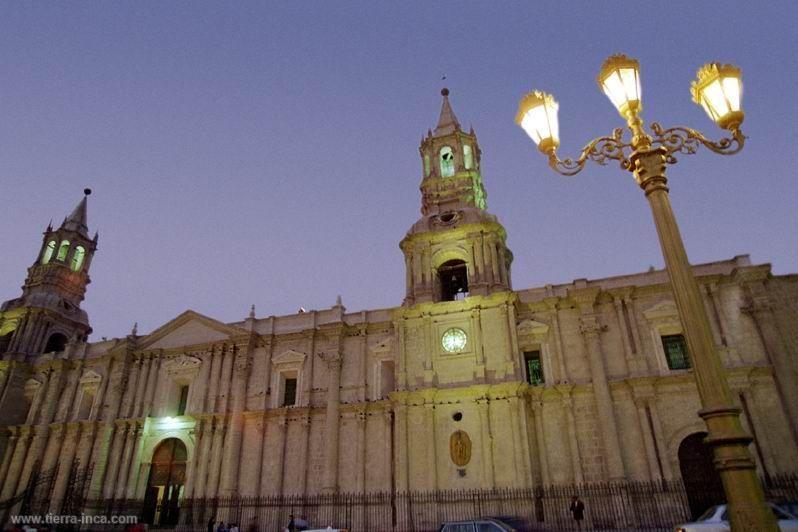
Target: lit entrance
point(165, 485)
point(701, 482)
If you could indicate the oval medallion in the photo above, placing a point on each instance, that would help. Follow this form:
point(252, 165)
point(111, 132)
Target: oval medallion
point(460, 448)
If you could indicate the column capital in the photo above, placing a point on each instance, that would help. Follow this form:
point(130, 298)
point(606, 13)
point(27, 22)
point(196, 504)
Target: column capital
point(585, 298)
point(589, 325)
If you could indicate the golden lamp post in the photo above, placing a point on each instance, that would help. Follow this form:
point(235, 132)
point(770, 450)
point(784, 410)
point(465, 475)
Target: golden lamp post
point(718, 89)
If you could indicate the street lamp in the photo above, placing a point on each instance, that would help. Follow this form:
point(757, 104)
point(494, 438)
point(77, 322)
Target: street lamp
point(718, 89)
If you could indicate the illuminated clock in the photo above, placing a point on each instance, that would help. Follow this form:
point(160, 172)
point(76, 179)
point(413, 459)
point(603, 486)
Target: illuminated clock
point(454, 340)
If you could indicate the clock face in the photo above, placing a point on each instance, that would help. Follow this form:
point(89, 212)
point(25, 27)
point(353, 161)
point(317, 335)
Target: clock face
point(454, 340)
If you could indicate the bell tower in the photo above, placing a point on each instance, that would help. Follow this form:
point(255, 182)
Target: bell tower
point(48, 315)
point(456, 248)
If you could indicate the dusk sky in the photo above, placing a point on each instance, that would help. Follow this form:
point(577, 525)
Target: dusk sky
point(267, 153)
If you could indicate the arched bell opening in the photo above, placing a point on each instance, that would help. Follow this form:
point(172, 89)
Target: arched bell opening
point(55, 343)
point(453, 279)
point(701, 481)
point(165, 483)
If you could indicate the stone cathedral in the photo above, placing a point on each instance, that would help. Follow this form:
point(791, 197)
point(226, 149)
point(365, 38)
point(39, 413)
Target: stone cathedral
point(466, 383)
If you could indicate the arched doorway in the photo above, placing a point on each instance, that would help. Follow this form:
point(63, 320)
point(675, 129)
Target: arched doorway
point(702, 483)
point(165, 485)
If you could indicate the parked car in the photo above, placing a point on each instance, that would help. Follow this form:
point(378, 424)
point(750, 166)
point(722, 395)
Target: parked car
point(716, 519)
point(485, 524)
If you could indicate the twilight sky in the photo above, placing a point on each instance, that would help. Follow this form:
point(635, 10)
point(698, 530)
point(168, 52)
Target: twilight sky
point(267, 153)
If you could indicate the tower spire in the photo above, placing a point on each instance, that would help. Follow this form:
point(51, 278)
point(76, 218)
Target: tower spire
point(447, 122)
point(77, 221)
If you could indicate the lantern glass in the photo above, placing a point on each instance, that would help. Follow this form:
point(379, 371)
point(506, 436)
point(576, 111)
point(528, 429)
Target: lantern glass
point(620, 80)
point(537, 115)
point(718, 89)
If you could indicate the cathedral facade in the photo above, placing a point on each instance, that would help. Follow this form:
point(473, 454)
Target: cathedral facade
point(468, 383)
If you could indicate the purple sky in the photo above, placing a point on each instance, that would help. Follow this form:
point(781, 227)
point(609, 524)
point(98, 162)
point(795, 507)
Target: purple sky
point(249, 153)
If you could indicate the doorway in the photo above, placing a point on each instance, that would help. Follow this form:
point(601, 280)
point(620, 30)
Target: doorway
point(165, 484)
point(701, 481)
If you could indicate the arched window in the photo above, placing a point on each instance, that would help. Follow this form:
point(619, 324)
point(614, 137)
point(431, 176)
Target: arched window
point(56, 343)
point(48, 253)
point(453, 278)
point(77, 258)
point(468, 157)
point(447, 162)
point(426, 166)
point(63, 249)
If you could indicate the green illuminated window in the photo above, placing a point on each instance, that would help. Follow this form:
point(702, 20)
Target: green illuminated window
point(676, 351)
point(468, 157)
point(447, 162)
point(77, 258)
point(534, 368)
point(48, 253)
point(63, 249)
point(426, 166)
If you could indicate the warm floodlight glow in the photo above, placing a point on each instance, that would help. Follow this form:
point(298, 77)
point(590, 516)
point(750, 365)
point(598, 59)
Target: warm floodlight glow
point(718, 89)
point(170, 423)
point(620, 80)
point(537, 115)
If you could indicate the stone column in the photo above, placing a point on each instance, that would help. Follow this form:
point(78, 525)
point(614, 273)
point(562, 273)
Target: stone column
point(623, 331)
point(432, 454)
point(282, 436)
point(11, 445)
point(152, 386)
point(521, 460)
point(360, 418)
point(304, 450)
point(114, 458)
point(204, 445)
point(216, 363)
point(591, 330)
point(225, 384)
point(124, 465)
point(786, 377)
point(537, 409)
point(648, 438)
point(332, 420)
point(559, 367)
point(216, 456)
point(17, 461)
point(87, 431)
point(400, 440)
point(659, 438)
point(135, 464)
point(230, 465)
point(487, 443)
point(68, 449)
point(573, 443)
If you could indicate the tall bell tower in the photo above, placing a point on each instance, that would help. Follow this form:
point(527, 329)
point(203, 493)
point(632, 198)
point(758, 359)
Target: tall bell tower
point(48, 315)
point(456, 320)
point(456, 248)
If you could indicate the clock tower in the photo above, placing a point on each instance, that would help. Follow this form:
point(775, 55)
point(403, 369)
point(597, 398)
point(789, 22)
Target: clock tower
point(457, 269)
point(458, 364)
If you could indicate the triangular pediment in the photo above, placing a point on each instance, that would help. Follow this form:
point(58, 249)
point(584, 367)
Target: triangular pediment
point(532, 327)
point(289, 357)
point(665, 309)
point(90, 377)
point(384, 346)
point(189, 328)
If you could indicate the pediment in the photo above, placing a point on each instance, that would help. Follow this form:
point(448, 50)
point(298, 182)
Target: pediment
point(384, 346)
point(289, 357)
point(532, 327)
point(663, 310)
point(182, 363)
point(190, 328)
point(90, 377)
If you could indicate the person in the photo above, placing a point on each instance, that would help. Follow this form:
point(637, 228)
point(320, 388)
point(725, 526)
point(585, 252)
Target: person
point(578, 510)
point(221, 527)
point(234, 527)
point(210, 523)
point(291, 524)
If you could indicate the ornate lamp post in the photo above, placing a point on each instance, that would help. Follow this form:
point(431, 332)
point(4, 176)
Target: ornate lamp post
point(718, 89)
